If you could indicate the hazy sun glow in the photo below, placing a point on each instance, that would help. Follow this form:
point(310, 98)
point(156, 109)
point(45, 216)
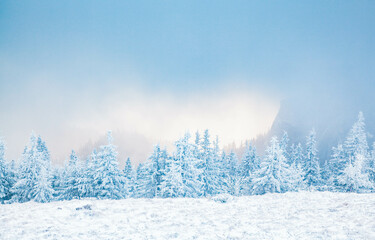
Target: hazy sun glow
point(234, 116)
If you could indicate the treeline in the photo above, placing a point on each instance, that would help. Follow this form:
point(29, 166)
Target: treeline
point(197, 168)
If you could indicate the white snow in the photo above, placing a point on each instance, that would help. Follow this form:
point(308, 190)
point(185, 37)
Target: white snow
point(305, 215)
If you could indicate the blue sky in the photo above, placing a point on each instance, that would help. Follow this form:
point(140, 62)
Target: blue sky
point(60, 57)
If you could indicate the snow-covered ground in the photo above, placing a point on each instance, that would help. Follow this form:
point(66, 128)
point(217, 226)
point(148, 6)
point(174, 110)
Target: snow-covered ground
point(306, 215)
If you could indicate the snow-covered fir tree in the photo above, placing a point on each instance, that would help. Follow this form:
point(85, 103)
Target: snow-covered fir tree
point(34, 178)
point(86, 181)
point(344, 169)
point(284, 145)
point(209, 164)
point(311, 162)
point(43, 187)
point(233, 179)
point(297, 181)
point(294, 158)
point(108, 179)
point(197, 143)
point(274, 175)
point(72, 178)
point(249, 164)
point(157, 168)
point(45, 155)
point(354, 177)
point(57, 181)
point(250, 161)
point(325, 173)
point(296, 155)
point(356, 141)
point(335, 167)
point(371, 165)
point(214, 169)
point(172, 184)
point(221, 173)
point(205, 154)
point(145, 186)
point(12, 168)
point(190, 164)
point(6, 178)
point(130, 179)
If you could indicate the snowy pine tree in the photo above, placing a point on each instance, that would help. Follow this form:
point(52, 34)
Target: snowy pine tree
point(86, 181)
point(214, 170)
point(296, 155)
point(326, 173)
point(45, 155)
point(335, 167)
point(145, 185)
point(72, 179)
point(130, 179)
point(284, 145)
point(172, 184)
point(205, 155)
point(43, 187)
point(347, 174)
point(371, 165)
point(197, 143)
point(209, 165)
point(108, 179)
point(233, 179)
point(57, 181)
point(354, 178)
point(274, 174)
point(6, 178)
point(249, 164)
point(157, 160)
point(311, 162)
point(190, 164)
point(34, 178)
point(222, 174)
point(356, 141)
point(296, 178)
point(250, 161)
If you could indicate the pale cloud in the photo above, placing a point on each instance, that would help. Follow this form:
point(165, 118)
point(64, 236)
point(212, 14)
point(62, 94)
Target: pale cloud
point(70, 118)
point(233, 116)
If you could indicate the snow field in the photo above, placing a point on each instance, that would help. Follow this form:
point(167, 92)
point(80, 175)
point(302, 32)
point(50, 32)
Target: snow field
point(304, 215)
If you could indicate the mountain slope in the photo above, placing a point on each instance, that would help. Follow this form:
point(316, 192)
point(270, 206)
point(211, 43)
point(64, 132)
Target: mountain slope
point(331, 115)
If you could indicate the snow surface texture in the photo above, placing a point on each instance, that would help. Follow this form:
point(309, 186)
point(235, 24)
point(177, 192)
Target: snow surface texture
point(304, 215)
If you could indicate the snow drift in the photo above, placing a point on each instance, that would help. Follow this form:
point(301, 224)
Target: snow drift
point(304, 215)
